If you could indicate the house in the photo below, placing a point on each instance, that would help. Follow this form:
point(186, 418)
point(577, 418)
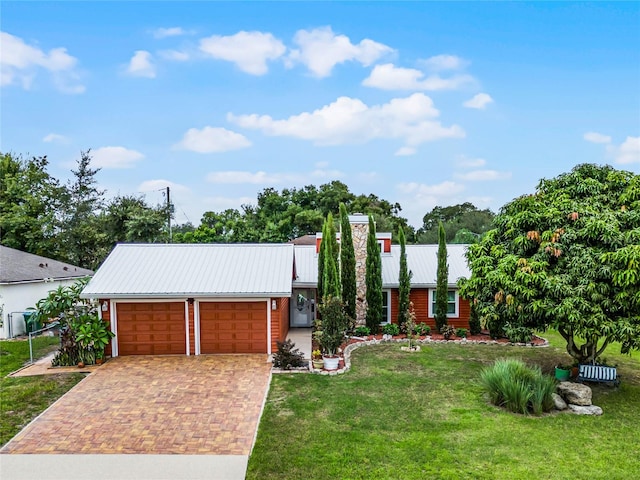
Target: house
point(25, 278)
point(193, 299)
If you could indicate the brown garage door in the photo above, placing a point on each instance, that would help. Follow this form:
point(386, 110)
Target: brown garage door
point(151, 328)
point(233, 327)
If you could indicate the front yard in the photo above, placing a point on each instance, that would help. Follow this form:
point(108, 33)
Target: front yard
point(422, 415)
point(22, 399)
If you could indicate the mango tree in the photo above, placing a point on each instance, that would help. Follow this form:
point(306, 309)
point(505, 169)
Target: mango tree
point(566, 257)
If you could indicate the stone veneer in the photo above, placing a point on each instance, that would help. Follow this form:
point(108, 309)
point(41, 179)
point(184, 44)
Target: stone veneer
point(360, 231)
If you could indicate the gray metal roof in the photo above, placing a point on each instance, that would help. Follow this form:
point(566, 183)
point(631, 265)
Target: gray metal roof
point(192, 270)
point(306, 266)
point(422, 260)
point(22, 267)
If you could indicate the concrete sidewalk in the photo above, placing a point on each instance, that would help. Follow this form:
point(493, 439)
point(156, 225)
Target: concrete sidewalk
point(123, 467)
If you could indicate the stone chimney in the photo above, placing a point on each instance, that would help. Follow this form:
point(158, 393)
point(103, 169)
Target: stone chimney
point(359, 231)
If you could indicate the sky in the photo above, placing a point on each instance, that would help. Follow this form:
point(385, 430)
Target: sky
point(421, 103)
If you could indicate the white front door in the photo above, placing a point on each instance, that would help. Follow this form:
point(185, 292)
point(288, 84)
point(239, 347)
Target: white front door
point(303, 307)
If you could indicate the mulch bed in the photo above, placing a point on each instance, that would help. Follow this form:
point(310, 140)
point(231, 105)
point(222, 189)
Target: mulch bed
point(482, 337)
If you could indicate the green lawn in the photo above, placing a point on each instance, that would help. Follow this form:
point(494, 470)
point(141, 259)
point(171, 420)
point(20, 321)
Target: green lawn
point(22, 399)
point(398, 415)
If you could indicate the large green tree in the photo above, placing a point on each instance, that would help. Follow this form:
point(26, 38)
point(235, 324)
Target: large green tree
point(566, 257)
point(347, 264)
point(404, 283)
point(442, 281)
point(463, 223)
point(373, 280)
point(30, 201)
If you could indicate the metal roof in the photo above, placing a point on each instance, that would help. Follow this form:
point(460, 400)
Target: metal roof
point(422, 261)
point(22, 267)
point(192, 270)
point(306, 266)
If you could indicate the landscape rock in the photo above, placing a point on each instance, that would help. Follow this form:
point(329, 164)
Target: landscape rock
point(575, 393)
point(585, 410)
point(558, 402)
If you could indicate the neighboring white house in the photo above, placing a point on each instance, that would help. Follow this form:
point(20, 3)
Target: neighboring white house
point(26, 278)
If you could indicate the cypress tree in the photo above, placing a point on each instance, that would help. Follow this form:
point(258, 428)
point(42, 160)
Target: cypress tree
point(404, 281)
point(321, 255)
point(331, 279)
point(373, 280)
point(442, 281)
point(347, 264)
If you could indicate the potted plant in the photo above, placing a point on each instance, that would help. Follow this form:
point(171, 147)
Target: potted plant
point(330, 331)
point(563, 372)
point(316, 359)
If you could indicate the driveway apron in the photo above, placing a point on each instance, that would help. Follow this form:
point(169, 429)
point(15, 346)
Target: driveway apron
point(197, 405)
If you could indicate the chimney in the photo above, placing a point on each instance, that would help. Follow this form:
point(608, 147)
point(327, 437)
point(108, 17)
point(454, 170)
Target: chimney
point(359, 231)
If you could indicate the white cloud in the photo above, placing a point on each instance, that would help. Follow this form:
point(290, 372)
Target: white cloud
point(321, 49)
point(257, 178)
point(419, 198)
point(445, 188)
point(250, 51)
point(141, 65)
point(115, 157)
point(55, 138)
point(168, 32)
point(390, 77)
point(159, 184)
point(595, 137)
point(445, 62)
point(629, 151)
point(350, 121)
point(405, 152)
point(19, 64)
point(212, 140)
point(466, 162)
point(174, 55)
point(479, 101)
point(483, 175)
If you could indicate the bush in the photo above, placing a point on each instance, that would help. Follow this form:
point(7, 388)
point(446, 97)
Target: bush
point(517, 387)
point(447, 331)
point(422, 329)
point(391, 329)
point(362, 331)
point(330, 331)
point(474, 321)
point(461, 332)
point(518, 334)
point(288, 357)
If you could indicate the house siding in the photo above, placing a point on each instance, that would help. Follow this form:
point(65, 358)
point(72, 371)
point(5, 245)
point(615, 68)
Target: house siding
point(420, 299)
point(106, 316)
point(279, 322)
point(191, 333)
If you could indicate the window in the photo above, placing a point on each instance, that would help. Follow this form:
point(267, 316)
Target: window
point(386, 307)
point(452, 304)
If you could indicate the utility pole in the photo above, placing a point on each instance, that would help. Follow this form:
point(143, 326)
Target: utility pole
point(169, 212)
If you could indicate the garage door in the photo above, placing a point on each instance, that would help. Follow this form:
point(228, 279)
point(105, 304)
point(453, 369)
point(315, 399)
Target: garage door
point(233, 327)
point(151, 328)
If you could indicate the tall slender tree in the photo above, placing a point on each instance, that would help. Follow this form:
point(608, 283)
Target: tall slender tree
point(373, 280)
point(442, 281)
point(404, 282)
point(331, 280)
point(347, 264)
point(321, 254)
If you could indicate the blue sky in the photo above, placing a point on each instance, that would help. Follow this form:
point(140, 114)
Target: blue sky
point(420, 103)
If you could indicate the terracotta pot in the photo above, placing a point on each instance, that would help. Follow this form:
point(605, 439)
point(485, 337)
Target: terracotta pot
point(80, 364)
point(99, 361)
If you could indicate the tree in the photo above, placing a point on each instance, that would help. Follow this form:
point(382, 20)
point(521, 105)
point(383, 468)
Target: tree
point(347, 264)
point(463, 223)
point(404, 283)
point(30, 200)
point(128, 218)
point(84, 242)
point(442, 281)
point(373, 280)
point(565, 257)
point(331, 278)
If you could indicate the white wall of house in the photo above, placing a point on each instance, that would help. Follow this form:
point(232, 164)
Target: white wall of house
point(18, 297)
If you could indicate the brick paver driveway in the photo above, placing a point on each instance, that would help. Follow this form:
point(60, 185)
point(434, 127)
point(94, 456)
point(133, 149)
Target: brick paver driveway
point(207, 404)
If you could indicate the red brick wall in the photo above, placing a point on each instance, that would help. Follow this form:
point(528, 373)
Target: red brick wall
point(420, 299)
